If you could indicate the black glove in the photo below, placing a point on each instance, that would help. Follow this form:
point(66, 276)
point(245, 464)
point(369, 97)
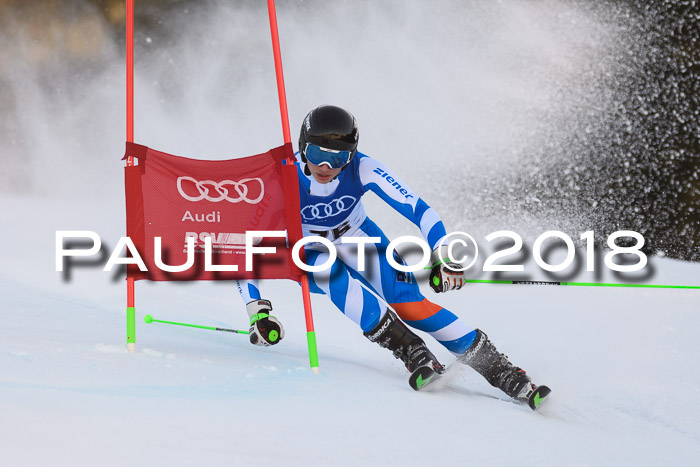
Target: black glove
point(264, 329)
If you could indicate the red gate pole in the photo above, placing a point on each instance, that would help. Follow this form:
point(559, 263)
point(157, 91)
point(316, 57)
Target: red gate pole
point(130, 308)
point(310, 333)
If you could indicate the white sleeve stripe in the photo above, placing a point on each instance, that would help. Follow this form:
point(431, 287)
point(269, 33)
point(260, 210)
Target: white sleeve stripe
point(429, 219)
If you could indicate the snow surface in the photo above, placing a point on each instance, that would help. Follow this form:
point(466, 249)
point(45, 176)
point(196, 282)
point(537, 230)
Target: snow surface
point(622, 362)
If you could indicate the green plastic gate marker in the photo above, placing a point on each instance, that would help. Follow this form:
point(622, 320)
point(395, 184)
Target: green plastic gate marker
point(150, 319)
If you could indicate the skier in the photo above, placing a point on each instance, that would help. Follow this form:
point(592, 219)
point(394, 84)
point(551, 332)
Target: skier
point(333, 176)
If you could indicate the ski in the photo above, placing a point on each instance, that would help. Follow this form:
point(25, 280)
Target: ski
point(423, 376)
point(538, 396)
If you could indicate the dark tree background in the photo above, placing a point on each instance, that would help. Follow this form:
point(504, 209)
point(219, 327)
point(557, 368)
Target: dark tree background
point(645, 175)
point(630, 157)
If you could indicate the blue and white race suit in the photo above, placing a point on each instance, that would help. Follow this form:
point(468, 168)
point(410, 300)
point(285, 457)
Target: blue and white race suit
point(334, 210)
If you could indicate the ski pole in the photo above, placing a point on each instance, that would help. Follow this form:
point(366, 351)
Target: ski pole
point(576, 284)
point(149, 319)
point(582, 284)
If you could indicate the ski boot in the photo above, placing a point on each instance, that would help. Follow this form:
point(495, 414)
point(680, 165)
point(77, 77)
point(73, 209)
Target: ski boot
point(394, 335)
point(483, 357)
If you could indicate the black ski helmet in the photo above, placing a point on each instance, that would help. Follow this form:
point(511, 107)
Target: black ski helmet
point(330, 127)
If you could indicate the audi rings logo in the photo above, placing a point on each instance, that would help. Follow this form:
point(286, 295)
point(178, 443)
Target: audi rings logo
point(324, 210)
point(222, 191)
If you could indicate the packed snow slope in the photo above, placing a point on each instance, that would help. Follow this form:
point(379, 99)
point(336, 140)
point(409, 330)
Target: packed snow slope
point(622, 364)
point(459, 98)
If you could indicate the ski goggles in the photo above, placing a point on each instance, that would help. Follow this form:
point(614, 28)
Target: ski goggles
point(332, 158)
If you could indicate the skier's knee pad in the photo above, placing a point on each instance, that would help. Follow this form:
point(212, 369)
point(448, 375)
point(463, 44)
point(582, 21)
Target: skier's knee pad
point(416, 311)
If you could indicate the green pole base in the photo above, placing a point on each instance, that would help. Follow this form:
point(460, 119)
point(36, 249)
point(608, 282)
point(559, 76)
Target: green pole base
point(313, 350)
point(130, 325)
